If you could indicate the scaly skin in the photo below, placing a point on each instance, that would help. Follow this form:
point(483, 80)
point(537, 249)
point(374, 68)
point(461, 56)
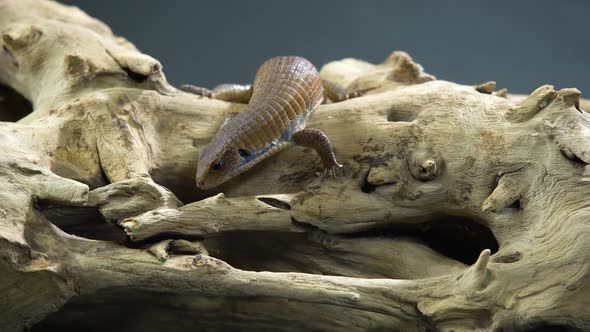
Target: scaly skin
point(285, 92)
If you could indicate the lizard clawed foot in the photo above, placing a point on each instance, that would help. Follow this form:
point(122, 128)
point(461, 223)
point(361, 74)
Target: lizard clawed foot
point(197, 90)
point(163, 249)
point(335, 171)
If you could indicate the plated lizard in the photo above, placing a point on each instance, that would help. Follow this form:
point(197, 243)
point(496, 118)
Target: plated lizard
point(285, 92)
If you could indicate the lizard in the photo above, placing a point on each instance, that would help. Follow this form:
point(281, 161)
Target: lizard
point(285, 91)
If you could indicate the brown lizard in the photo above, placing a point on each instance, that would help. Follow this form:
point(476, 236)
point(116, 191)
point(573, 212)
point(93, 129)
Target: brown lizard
point(286, 90)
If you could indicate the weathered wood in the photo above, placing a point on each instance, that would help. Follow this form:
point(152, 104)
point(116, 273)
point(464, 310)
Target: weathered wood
point(429, 164)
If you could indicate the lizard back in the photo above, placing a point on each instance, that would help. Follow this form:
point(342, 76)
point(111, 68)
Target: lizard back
point(285, 91)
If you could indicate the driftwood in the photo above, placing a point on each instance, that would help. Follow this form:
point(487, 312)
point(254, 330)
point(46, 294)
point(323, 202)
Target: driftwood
point(460, 208)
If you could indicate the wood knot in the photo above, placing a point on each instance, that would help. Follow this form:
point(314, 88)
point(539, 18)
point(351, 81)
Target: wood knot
point(20, 36)
point(487, 87)
point(428, 168)
point(405, 70)
point(571, 97)
point(75, 65)
point(424, 168)
point(532, 104)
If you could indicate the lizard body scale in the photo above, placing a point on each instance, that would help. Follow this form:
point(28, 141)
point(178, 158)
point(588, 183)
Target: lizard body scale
point(285, 92)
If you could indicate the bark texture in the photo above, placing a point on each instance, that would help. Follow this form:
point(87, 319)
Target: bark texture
point(461, 207)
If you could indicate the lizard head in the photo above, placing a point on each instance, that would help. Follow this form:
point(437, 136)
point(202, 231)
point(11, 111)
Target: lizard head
point(219, 162)
point(215, 164)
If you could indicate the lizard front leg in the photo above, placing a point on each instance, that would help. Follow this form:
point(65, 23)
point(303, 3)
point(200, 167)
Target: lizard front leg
point(240, 93)
point(317, 140)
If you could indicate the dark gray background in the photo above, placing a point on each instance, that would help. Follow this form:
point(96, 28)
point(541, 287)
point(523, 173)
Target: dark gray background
point(519, 44)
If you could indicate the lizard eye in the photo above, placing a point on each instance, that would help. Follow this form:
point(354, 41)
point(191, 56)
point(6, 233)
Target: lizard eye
point(217, 165)
point(243, 153)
